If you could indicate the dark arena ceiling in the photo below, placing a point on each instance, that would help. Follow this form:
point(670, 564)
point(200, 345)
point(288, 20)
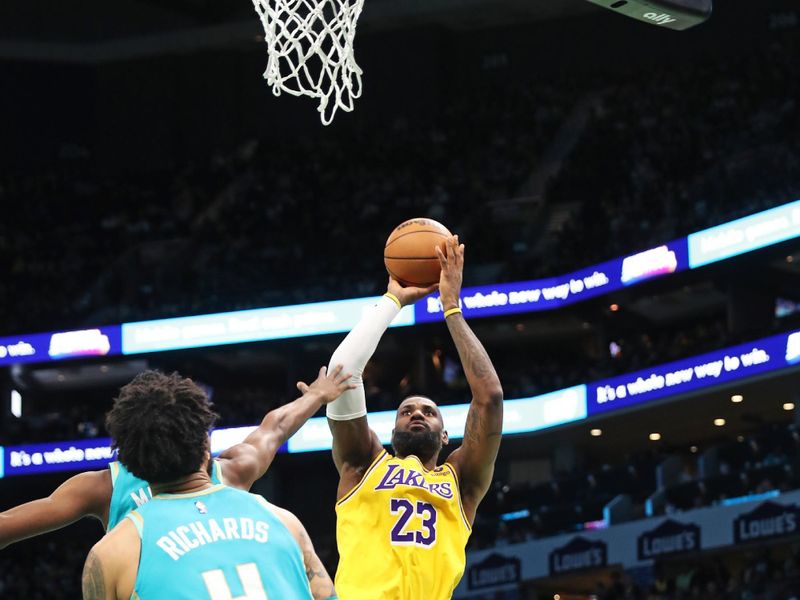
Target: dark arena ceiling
point(96, 21)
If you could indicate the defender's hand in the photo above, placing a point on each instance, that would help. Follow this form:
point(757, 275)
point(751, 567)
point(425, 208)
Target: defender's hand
point(408, 295)
point(452, 261)
point(328, 386)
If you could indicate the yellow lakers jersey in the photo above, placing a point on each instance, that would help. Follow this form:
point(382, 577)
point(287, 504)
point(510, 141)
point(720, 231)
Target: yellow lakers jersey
point(401, 533)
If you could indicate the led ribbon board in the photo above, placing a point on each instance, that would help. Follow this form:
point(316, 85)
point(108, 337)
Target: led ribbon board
point(556, 292)
point(711, 245)
point(524, 415)
point(250, 325)
point(743, 235)
point(43, 347)
point(707, 370)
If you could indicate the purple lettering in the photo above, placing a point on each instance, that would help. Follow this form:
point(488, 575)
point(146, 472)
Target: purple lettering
point(415, 479)
point(385, 483)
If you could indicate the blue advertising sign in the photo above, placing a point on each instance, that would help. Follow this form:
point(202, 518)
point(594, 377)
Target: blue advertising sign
point(42, 347)
point(744, 235)
point(58, 456)
point(555, 292)
point(24, 348)
point(706, 370)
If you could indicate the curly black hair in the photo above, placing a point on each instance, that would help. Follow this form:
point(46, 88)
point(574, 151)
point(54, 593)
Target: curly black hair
point(160, 425)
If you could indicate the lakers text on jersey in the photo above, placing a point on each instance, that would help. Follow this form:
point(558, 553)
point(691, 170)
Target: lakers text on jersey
point(401, 533)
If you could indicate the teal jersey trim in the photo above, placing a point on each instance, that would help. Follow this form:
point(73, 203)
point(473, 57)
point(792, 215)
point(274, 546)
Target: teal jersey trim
point(130, 492)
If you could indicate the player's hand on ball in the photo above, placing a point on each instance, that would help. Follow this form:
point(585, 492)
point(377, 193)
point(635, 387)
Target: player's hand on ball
point(410, 294)
point(452, 262)
point(328, 386)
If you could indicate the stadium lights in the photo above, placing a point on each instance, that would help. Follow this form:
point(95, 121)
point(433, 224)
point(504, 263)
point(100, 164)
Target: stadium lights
point(736, 398)
point(596, 432)
point(788, 406)
point(655, 436)
point(719, 422)
point(16, 404)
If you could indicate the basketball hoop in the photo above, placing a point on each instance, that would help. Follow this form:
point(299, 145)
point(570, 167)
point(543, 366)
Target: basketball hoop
point(310, 47)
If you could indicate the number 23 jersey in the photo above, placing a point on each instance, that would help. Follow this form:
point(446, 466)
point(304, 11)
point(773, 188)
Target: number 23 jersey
point(401, 533)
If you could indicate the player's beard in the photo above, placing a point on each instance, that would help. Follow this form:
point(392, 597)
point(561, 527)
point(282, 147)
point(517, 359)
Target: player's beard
point(422, 444)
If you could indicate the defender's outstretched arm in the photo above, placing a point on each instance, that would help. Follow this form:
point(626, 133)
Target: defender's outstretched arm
point(83, 495)
point(246, 462)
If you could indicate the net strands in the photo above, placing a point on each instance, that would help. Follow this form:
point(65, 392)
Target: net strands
point(310, 47)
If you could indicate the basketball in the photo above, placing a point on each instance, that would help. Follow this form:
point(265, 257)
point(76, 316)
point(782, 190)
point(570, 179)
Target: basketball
point(410, 255)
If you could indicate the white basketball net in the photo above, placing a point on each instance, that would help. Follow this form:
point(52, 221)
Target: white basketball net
point(311, 53)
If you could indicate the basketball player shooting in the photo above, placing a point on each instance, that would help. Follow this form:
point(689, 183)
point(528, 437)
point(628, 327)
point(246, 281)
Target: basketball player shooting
point(402, 521)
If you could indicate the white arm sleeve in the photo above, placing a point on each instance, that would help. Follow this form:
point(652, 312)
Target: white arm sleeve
point(353, 354)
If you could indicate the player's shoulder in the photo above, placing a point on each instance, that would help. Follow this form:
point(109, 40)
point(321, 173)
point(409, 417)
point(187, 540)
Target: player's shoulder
point(124, 535)
point(112, 556)
point(92, 488)
point(263, 502)
point(101, 477)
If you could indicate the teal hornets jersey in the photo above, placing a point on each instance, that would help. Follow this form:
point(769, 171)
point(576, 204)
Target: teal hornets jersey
point(130, 492)
point(216, 544)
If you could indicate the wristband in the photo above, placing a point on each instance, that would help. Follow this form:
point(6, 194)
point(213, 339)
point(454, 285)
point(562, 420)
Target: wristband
point(394, 299)
point(451, 311)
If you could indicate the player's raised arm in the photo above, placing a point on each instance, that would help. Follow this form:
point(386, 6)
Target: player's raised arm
point(474, 460)
point(355, 445)
point(83, 495)
point(244, 463)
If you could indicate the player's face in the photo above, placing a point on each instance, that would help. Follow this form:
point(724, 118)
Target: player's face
point(418, 428)
point(418, 412)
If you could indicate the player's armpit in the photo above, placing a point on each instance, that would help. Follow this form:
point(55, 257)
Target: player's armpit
point(83, 495)
point(355, 446)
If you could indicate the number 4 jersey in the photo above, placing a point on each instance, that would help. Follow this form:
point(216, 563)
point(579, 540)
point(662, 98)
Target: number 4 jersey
point(401, 533)
point(216, 544)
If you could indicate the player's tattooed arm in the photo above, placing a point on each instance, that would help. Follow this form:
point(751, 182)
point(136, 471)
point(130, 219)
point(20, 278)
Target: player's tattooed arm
point(475, 459)
point(93, 580)
point(318, 579)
